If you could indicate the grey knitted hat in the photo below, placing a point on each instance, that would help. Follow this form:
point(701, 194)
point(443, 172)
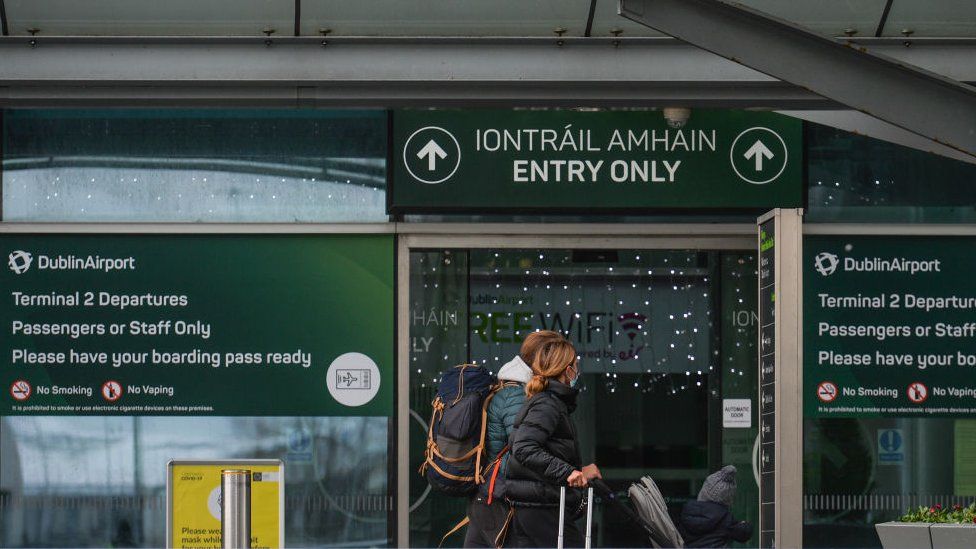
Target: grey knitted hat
point(719, 487)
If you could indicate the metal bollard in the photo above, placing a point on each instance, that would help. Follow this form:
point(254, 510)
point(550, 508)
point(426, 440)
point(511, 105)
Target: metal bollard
point(235, 509)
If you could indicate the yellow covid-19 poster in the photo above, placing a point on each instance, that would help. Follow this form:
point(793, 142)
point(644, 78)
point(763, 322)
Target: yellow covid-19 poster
point(194, 503)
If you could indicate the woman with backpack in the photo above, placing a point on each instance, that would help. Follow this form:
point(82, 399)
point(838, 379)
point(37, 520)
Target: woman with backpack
point(488, 510)
point(545, 452)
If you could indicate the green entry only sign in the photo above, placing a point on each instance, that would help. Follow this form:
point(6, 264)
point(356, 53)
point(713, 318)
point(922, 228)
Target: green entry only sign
point(504, 160)
point(889, 329)
point(197, 325)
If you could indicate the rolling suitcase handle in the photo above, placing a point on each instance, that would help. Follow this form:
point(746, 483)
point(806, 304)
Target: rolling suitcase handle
point(562, 517)
point(589, 515)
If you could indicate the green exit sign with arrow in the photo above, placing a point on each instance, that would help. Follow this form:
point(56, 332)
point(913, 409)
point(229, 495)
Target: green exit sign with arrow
point(623, 161)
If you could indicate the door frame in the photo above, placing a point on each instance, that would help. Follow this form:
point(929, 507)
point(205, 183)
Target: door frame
point(418, 236)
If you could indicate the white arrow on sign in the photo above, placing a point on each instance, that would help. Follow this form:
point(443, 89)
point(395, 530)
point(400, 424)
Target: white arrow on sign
point(432, 151)
point(758, 150)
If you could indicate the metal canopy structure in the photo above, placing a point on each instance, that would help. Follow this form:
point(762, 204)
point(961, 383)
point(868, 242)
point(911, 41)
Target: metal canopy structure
point(392, 72)
point(390, 53)
point(442, 18)
point(920, 101)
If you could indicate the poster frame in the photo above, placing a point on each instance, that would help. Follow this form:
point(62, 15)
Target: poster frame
point(230, 464)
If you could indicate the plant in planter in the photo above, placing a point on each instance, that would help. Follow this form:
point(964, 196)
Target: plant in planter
point(937, 514)
point(934, 527)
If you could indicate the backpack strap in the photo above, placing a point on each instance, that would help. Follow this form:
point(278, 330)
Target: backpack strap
point(457, 527)
point(460, 392)
point(432, 450)
point(438, 408)
point(445, 474)
point(494, 474)
point(479, 479)
point(503, 533)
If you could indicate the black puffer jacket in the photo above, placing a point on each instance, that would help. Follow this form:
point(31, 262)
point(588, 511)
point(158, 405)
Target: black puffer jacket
point(545, 450)
point(710, 524)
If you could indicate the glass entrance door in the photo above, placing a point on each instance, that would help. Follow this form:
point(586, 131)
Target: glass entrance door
point(663, 336)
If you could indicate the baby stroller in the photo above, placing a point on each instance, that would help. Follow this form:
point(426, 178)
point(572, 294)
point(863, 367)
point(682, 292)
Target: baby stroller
point(646, 509)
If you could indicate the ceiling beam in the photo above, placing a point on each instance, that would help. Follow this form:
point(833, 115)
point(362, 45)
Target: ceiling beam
point(931, 105)
point(301, 72)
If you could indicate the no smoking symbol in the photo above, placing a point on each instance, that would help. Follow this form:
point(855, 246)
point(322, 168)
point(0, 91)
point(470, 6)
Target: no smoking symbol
point(111, 391)
point(827, 391)
point(917, 392)
point(20, 390)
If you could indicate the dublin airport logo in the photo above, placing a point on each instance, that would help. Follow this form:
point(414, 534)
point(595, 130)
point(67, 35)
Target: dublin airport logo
point(19, 261)
point(826, 263)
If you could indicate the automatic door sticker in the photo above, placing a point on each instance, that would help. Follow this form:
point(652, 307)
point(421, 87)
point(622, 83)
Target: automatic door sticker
point(353, 379)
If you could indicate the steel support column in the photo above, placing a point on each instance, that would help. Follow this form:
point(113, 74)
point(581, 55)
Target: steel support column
point(933, 106)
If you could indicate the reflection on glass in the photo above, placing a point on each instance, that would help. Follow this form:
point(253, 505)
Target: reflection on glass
point(194, 166)
point(100, 481)
point(646, 325)
point(853, 178)
point(859, 472)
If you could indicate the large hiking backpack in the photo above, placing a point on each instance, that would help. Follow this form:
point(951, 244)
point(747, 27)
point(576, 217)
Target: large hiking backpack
point(456, 435)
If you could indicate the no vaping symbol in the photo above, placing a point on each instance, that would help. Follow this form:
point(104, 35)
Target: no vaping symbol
point(917, 392)
point(111, 391)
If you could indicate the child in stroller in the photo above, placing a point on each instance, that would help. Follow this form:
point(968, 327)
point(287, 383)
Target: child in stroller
point(708, 522)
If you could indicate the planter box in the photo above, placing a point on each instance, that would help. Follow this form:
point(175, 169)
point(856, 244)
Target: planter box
point(904, 535)
point(920, 535)
point(953, 536)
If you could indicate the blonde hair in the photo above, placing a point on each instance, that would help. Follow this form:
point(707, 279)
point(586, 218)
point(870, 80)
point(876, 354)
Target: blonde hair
point(533, 342)
point(552, 356)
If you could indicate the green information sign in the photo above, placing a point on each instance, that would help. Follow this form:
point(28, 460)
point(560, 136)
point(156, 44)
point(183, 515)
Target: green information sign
point(503, 160)
point(889, 326)
point(197, 325)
